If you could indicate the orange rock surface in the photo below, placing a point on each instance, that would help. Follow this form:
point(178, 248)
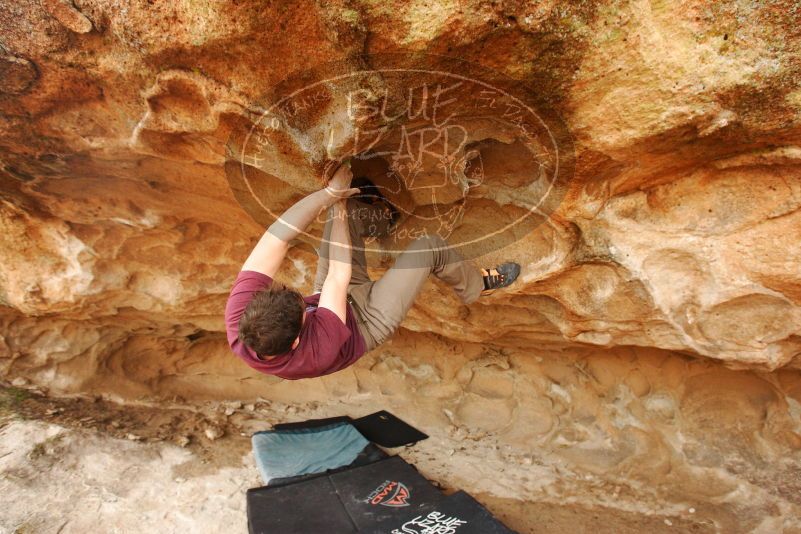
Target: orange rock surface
point(647, 356)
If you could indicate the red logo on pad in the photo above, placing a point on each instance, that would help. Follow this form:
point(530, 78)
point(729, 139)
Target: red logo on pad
point(390, 493)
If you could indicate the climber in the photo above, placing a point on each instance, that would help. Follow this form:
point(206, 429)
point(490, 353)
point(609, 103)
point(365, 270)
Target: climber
point(277, 331)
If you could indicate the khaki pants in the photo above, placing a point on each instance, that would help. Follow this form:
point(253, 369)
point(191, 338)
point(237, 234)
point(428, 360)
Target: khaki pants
point(381, 305)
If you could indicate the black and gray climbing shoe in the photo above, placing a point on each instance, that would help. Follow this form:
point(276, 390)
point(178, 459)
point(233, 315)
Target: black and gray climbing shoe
point(499, 276)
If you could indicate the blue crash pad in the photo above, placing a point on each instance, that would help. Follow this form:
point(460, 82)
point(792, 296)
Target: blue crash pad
point(303, 451)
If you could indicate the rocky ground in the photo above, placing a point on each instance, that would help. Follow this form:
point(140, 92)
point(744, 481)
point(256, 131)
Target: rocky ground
point(89, 465)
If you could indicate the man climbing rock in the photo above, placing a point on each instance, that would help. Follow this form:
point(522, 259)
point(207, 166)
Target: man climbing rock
point(277, 331)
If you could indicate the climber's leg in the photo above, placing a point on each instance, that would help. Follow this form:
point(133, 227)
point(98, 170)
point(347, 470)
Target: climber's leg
point(383, 304)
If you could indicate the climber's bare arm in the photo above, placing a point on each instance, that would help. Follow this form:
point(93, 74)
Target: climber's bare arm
point(335, 288)
point(267, 256)
point(271, 249)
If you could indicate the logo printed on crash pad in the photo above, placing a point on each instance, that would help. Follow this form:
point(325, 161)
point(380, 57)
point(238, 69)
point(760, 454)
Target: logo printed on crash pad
point(389, 493)
point(433, 523)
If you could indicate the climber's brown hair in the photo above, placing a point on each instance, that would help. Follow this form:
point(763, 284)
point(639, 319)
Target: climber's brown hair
point(272, 320)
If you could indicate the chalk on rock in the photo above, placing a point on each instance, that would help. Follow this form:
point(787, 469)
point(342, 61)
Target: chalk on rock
point(213, 432)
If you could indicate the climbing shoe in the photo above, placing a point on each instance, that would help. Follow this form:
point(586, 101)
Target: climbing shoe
point(499, 276)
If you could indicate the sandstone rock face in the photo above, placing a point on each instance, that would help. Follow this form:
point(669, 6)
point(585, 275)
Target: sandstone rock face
point(127, 208)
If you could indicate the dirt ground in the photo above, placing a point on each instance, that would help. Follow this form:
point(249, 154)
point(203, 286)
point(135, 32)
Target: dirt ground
point(88, 465)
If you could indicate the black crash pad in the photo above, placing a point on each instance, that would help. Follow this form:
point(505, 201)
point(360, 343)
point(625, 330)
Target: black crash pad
point(458, 514)
point(301, 508)
point(361, 499)
point(379, 494)
point(387, 430)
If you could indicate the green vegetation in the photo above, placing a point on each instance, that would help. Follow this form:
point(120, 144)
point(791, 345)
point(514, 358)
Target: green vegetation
point(10, 400)
point(351, 16)
point(44, 448)
point(25, 528)
point(378, 7)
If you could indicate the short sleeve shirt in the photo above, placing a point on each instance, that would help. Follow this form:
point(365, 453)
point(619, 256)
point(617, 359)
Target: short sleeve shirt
point(326, 344)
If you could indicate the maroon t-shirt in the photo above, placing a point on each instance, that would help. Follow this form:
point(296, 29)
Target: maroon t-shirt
point(326, 345)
